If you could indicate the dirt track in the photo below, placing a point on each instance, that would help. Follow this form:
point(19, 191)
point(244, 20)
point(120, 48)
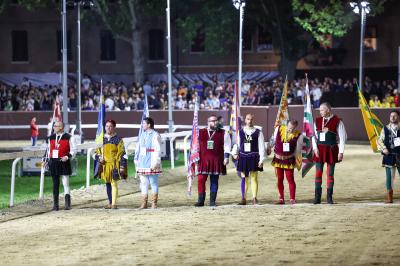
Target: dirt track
point(358, 230)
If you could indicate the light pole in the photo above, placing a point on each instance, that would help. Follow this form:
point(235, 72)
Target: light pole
point(363, 9)
point(240, 4)
point(64, 64)
point(86, 4)
point(169, 66)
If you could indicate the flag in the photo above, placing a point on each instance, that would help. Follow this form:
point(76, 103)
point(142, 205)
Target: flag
point(101, 118)
point(235, 122)
point(373, 125)
point(56, 114)
point(194, 154)
point(282, 116)
point(308, 133)
point(144, 115)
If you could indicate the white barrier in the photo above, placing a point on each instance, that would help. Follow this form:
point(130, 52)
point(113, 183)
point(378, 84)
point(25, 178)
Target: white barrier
point(90, 146)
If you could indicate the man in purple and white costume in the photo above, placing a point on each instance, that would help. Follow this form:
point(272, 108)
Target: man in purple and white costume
point(250, 153)
point(148, 161)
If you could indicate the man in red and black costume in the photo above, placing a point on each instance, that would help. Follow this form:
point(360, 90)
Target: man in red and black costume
point(215, 146)
point(328, 146)
point(61, 151)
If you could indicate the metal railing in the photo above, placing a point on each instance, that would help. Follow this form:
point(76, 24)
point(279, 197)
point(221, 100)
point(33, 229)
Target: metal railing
point(90, 147)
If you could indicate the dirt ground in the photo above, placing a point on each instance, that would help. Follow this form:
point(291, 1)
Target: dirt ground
point(358, 230)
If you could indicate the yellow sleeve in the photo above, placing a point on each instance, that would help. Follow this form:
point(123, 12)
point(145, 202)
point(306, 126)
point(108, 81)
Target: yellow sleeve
point(380, 141)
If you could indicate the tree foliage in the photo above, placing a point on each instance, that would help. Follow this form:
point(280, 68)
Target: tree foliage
point(333, 17)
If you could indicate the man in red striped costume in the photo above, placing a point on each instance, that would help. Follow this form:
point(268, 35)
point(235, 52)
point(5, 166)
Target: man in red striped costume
point(328, 145)
point(215, 146)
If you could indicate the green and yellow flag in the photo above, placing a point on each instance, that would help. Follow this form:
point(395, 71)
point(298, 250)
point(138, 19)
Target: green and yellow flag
point(373, 125)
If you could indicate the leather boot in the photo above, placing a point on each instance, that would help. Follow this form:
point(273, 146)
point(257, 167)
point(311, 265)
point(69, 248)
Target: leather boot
point(389, 196)
point(55, 203)
point(213, 198)
point(67, 205)
point(243, 202)
point(144, 202)
point(317, 198)
point(201, 199)
point(154, 202)
point(329, 196)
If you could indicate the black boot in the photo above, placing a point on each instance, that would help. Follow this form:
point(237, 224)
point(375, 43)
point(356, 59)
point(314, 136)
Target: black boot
point(329, 196)
point(201, 199)
point(55, 203)
point(67, 202)
point(213, 198)
point(317, 198)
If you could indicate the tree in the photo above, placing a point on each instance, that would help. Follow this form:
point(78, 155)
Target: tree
point(126, 19)
point(324, 18)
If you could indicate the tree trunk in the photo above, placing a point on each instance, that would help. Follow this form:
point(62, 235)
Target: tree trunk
point(287, 66)
point(138, 57)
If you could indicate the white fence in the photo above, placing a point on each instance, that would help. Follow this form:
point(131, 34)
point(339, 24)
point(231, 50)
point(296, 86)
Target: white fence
point(90, 146)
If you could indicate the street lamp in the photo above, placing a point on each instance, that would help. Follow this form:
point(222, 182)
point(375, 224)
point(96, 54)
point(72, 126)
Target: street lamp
point(239, 5)
point(363, 8)
point(85, 4)
point(169, 66)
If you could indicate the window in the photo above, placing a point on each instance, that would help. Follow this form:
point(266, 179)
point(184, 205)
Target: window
point(198, 42)
point(370, 39)
point(60, 45)
point(247, 40)
point(264, 40)
point(19, 40)
point(156, 44)
point(107, 46)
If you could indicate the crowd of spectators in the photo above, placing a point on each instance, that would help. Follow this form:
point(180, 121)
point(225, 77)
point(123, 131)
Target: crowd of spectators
point(216, 95)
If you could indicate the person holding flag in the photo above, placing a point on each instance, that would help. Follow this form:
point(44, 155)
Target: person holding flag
point(113, 164)
point(61, 150)
point(287, 143)
point(148, 161)
point(250, 154)
point(328, 145)
point(214, 146)
point(389, 145)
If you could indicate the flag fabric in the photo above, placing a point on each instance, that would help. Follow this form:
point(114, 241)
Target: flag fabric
point(194, 154)
point(282, 116)
point(56, 114)
point(235, 123)
point(308, 133)
point(144, 115)
point(101, 118)
point(373, 125)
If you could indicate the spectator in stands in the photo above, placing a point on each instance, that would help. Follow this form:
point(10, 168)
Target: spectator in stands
point(180, 104)
point(316, 94)
point(374, 102)
point(396, 98)
point(109, 102)
point(34, 131)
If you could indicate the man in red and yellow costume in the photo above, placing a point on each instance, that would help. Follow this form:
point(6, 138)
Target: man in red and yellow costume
point(287, 148)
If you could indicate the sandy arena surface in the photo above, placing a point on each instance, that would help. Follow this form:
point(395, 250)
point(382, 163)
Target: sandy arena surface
point(358, 230)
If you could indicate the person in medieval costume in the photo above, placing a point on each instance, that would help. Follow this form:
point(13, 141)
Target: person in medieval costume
point(250, 154)
point(328, 146)
point(148, 161)
point(287, 144)
point(389, 145)
point(215, 146)
point(61, 151)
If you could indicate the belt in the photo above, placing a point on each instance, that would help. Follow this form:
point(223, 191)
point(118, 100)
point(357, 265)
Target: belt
point(284, 157)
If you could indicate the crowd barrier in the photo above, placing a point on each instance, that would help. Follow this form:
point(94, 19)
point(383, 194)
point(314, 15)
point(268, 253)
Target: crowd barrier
point(90, 147)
